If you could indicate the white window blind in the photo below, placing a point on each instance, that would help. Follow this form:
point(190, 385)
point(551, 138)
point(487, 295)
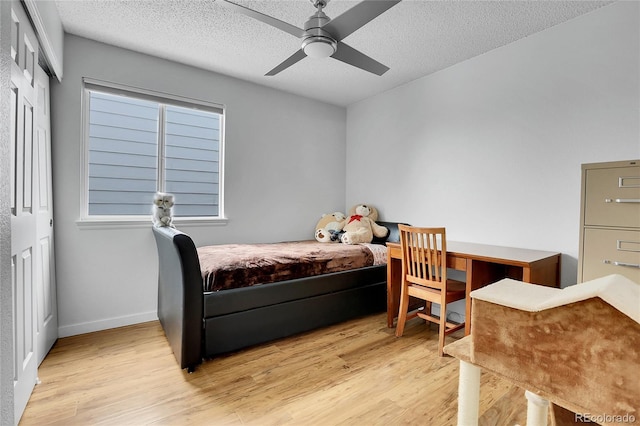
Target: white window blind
point(192, 146)
point(123, 155)
point(139, 145)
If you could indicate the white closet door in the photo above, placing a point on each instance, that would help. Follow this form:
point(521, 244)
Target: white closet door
point(32, 274)
point(47, 312)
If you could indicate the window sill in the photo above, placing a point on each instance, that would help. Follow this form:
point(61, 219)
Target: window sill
point(145, 222)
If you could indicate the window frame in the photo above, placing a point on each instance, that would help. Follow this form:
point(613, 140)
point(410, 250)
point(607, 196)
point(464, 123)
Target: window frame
point(99, 221)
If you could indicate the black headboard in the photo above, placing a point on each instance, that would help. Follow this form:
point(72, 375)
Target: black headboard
point(393, 236)
point(180, 297)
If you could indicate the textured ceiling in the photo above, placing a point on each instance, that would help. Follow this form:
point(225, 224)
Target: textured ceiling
point(413, 38)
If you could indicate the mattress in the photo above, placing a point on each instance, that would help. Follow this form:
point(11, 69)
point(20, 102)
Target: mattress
point(231, 266)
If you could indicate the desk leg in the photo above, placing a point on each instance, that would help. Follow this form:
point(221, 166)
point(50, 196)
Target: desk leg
point(467, 303)
point(537, 410)
point(394, 272)
point(468, 394)
point(544, 272)
point(479, 274)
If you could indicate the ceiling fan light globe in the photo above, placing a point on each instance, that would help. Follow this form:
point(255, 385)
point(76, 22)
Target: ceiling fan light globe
point(319, 48)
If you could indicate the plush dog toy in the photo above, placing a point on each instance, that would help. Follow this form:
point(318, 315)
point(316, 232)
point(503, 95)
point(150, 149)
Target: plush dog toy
point(361, 226)
point(329, 227)
point(162, 204)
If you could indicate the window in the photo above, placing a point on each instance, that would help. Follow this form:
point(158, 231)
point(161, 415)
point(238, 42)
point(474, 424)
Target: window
point(139, 143)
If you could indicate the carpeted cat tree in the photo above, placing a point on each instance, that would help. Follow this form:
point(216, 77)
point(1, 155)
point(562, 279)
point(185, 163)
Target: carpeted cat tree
point(577, 348)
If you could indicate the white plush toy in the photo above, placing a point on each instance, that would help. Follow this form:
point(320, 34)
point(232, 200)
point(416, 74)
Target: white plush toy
point(162, 204)
point(329, 227)
point(361, 226)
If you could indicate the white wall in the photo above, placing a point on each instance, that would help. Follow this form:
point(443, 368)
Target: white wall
point(284, 167)
point(491, 148)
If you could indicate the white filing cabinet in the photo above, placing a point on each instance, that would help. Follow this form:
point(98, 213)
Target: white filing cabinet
point(610, 220)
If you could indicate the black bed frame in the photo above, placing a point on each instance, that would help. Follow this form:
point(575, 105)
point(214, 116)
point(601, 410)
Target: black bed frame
point(201, 324)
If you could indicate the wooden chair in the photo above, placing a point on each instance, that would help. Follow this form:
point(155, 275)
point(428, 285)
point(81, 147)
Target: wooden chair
point(424, 276)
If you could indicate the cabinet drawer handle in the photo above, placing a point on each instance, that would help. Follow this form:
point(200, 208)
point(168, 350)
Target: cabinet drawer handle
point(630, 265)
point(622, 200)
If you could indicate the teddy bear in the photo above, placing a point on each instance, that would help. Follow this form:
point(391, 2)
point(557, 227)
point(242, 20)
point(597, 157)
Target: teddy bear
point(329, 227)
point(361, 226)
point(162, 204)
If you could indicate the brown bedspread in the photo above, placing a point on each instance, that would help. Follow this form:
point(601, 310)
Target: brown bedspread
point(241, 265)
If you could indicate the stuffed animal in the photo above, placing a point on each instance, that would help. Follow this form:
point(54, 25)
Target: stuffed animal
point(162, 204)
point(361, 226)
point(329, 227)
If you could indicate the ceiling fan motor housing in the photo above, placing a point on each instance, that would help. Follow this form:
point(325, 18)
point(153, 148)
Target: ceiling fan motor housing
point(318, 42)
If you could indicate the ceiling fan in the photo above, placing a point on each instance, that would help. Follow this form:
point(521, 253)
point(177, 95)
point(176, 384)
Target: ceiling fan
point(322, 36)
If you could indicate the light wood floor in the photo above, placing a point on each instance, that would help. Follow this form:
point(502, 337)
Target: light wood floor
point(355, 373)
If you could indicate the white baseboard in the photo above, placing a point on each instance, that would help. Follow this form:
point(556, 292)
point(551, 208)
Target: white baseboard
point(89, 327)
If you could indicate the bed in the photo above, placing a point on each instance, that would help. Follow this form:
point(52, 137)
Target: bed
point(203, 318)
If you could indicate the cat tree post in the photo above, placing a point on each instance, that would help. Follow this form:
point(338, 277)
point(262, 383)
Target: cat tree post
point(537, 409)
point(468, 394)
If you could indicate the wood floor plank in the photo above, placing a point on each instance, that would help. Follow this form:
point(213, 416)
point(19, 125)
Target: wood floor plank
point(352, 373)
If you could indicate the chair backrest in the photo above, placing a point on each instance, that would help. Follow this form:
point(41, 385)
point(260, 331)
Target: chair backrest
point(424, 255)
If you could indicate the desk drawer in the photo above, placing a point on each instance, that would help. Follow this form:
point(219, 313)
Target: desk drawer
point(612, 197)
point(457, 263)
point(604, 247)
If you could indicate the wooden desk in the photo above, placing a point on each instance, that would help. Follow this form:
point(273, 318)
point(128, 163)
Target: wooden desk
point(483, 264)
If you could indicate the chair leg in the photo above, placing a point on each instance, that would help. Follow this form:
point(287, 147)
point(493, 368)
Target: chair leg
point(402, 311)
point(442, 327)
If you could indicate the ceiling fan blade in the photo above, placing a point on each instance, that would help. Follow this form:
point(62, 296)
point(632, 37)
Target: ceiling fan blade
point(351, 56)
point(354, 18)
point(287, 62)
point(281, 25)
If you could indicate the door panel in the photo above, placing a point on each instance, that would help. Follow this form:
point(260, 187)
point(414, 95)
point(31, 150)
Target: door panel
point(27, 252)
point(27, 153)
point(47, 313)
point(23, 239)
point(13, 147)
